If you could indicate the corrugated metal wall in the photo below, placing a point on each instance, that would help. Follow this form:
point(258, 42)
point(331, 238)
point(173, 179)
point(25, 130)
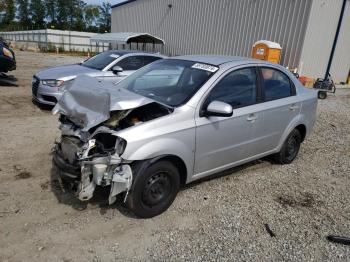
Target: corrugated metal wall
point(319, 38)
point(227, 27)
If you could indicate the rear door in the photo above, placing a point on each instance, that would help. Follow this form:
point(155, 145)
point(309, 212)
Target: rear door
point(281, 105)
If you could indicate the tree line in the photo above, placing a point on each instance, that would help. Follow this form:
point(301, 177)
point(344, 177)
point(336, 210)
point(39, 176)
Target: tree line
point(56, 14)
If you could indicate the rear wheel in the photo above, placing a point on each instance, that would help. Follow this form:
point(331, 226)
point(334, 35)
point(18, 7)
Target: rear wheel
point(322, 95)
point(154, 190)
point(290, 148)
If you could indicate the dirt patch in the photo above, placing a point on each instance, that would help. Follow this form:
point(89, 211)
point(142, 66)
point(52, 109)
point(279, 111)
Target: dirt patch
point(303, 200)
point(23, 175)
point(45, 185)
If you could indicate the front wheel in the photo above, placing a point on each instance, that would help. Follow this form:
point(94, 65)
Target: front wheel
point(154, 190)
point(290, 148)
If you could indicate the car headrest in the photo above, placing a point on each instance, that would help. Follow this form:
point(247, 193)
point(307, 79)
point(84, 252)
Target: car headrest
point(241, 80)
point(236, 80)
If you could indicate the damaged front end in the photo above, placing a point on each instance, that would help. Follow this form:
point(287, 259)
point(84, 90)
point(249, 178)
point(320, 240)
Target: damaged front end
point(95, 162)
point(89, 153)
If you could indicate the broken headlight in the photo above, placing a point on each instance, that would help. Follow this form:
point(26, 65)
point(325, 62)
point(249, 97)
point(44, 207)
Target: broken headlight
point(120, 145)
point(107, 144)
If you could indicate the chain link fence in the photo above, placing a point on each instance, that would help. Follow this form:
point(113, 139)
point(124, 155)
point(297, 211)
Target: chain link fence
point(51, 40)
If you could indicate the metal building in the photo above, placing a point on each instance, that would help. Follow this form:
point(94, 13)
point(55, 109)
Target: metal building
point(304, 28)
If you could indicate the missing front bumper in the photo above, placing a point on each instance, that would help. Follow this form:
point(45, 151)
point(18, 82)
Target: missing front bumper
point(100, 171)
point(66, 170)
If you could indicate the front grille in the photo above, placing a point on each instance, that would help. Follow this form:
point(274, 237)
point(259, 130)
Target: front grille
point(35, 85)
point(49, 98)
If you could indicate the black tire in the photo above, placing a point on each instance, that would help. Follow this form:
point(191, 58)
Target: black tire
point(322, 95)
point(290, 148)
point(154, 190)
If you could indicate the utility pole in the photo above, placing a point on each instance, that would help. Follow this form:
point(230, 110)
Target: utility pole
point(335, 39)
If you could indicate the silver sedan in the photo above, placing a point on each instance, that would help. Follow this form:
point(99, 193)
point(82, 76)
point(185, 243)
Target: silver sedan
point(49, 84)
point(176, 121)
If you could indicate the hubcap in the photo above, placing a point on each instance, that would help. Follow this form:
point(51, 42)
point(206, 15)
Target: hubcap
point(157, 189)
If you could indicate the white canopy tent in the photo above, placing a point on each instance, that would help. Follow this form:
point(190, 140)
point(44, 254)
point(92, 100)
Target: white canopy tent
point(126, 38)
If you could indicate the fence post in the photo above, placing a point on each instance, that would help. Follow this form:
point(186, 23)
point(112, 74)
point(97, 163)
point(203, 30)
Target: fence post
point(69, 39)
point(47, 40)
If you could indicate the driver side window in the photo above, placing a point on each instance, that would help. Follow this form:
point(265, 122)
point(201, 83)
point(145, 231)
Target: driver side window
point(237, 88)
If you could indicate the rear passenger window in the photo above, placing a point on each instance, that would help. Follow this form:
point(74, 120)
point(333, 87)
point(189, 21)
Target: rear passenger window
point(238, 88)
point(149, 59)
point(277, 85)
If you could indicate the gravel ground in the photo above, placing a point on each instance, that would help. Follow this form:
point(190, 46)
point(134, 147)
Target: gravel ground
point(222, 218)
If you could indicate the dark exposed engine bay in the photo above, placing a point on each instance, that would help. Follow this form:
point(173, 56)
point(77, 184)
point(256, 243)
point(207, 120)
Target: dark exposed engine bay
point(89, 158)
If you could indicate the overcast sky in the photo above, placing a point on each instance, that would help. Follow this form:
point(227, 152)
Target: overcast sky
point(113, 2)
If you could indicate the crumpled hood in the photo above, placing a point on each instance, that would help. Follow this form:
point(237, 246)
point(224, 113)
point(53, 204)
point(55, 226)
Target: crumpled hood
point(64, 71)
point(89, 101)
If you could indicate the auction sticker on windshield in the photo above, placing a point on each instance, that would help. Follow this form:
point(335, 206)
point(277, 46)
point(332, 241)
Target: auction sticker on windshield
point(205, 67)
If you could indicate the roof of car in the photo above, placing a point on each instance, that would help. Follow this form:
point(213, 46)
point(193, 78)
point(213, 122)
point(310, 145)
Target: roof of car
point(214, 59)
point(125, 52)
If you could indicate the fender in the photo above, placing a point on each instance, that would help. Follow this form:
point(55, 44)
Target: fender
point(297, 120)
point(139, 167)
point(155, 149)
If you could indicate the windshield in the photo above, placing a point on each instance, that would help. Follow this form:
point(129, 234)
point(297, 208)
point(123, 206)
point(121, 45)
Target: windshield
point(169, 81)
point(100, 61)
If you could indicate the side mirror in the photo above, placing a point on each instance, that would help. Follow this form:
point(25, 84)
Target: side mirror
point(116, 70)
point(218, 108)
point(296, 75)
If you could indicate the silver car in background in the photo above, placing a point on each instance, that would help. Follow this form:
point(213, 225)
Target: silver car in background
point(175, 121)
point(49, 84)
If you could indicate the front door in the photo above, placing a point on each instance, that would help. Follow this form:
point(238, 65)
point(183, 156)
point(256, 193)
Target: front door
point(223, 141)
point(129, 65)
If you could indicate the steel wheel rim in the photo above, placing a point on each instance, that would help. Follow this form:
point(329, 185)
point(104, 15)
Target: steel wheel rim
point(157, 189)
point(291, 147)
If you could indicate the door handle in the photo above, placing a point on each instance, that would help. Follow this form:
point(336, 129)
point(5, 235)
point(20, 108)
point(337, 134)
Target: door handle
point(293, 107)
point(252, 117)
